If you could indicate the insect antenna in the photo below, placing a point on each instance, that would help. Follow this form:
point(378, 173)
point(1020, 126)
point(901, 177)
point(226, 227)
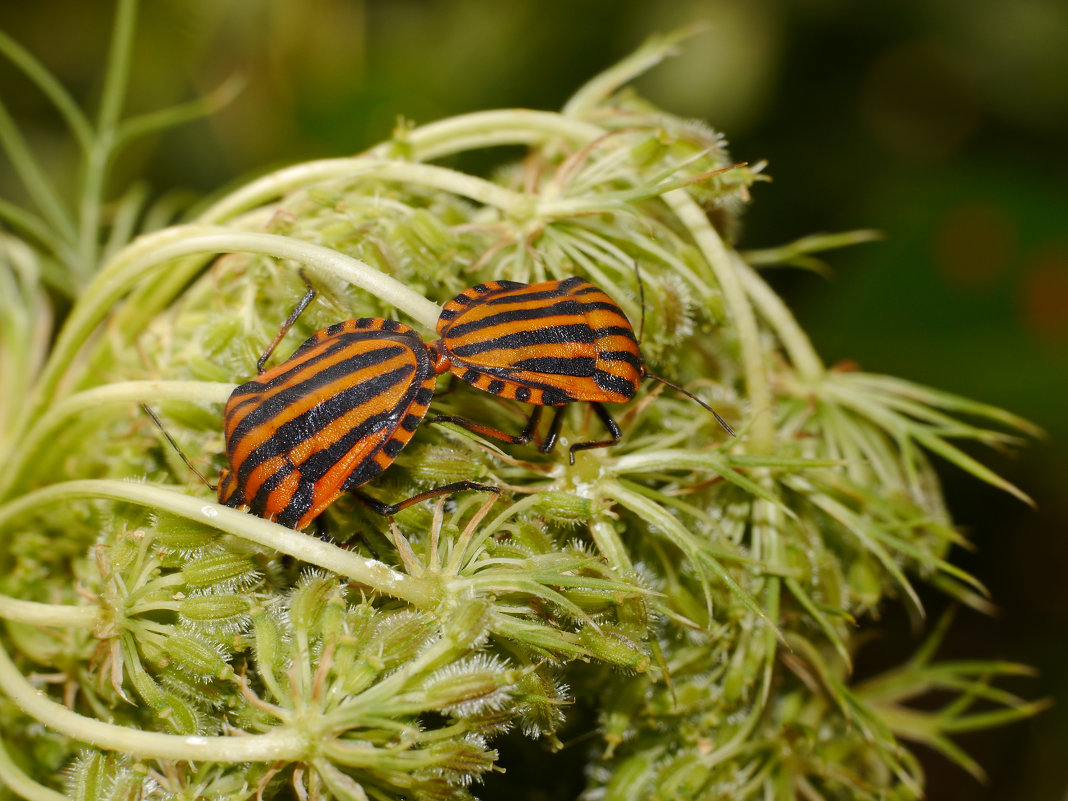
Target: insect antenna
point(641, 299)
point(170, 439)
point(690, 395)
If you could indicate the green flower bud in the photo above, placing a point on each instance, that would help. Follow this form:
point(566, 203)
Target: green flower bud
point(865, 582)
point(745, 668)
point(178, 713)
point(398, 638)
point(310, 599)
point(683, 776)
point(125, 551)
point(525, 537)
point(183, 536)
point(105, 777)
point(649, 150)
point(832, 585)
point(631, 780)
point(336, 235)
point(325, 196)
point(222, 571)
point(428, 233)
point(461, 760)
point(215, 608)
point(610, 646)
point(789, 707)
point(196, 656)
point(201, 369)
point(332, 621)
point(632, 615)
point(620, 713)
point(467, 623)
point(564, 508)
point(419, 517)
point(468, 688)
point(89, 778)
point(435, 465)
point(268, 641)
point(540, 699)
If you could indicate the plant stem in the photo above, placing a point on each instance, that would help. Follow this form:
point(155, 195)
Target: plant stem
point(37, 185)
point(380, 578)
point(762, 430)
point(277, 184)
point(99, 154)
point(33, 613)
point(146, 255)
point(279, 744)
point(489, 128)
point(13, 778)
point(119, 393)
point(52, 89)
point(596, 90)
point(803, 356)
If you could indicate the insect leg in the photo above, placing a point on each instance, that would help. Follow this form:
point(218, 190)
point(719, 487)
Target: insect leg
point(298, 310)
point(516, 439)
point(387, 509)
point(554, 431)
point(449, 388)
point(609, 423)
point(322, 531)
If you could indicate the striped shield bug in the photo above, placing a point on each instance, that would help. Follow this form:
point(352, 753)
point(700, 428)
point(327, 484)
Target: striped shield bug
point(547, 344)
point(327, 420)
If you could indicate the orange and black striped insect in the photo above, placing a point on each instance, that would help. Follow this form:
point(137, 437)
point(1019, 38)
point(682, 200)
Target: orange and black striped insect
point(546, 344)
point(327, 420)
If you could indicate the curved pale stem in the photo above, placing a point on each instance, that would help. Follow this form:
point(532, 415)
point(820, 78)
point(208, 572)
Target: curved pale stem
point(798, 346)
point(121, 393)
point(762, 431)
point(148, 254)
point(518, 126)
point(33, 613)
point(100, 152)
point(277, 184)
point(14, 779)
point(280, 744)
point(601, 86)
point(303, 547)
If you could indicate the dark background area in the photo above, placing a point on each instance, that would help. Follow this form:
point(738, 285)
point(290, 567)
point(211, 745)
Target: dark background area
point(942, 123)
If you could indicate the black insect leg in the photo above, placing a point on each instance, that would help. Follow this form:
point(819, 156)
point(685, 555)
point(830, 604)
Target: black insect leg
point(554, 432)
point(450, 387)
point(388, 510)
point(609, 423)
point(516, 439)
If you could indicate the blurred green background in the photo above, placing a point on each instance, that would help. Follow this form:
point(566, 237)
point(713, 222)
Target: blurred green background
point(943, 123)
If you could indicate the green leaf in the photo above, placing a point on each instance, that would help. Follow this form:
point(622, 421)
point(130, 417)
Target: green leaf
point(134, 128)
point(657, 516)
point(968, 464)
point(944, 400)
